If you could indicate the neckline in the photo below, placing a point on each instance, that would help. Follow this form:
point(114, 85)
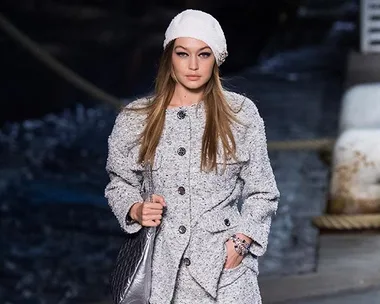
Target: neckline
point(184, 107)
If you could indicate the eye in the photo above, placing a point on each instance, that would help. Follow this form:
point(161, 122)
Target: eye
point(181, 54)
point(205, 54)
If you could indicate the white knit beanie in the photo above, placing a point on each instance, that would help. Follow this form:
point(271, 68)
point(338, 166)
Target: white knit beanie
point(199, 25)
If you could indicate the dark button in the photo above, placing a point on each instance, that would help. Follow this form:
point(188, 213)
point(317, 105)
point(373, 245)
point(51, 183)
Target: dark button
point(181, 151)
point(227, 222)
point(181, 190)
point(187, 261)
point(181, 114)
point(182, 229)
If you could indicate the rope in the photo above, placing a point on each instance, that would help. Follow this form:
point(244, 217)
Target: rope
point(347, 222)
point(56, 66)
point(81, 83)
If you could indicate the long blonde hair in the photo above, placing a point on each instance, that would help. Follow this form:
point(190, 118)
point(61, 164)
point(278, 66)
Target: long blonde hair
point(219, 116)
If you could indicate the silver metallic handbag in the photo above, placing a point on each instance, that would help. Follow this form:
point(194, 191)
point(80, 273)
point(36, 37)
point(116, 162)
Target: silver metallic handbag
point(130, 280)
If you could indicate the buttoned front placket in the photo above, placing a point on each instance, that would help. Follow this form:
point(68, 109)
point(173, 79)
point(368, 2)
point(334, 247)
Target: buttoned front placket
point(182, 148)
point(178, 155)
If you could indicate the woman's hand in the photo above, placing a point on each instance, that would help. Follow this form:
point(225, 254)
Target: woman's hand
point(148, 214)
point(233, 258)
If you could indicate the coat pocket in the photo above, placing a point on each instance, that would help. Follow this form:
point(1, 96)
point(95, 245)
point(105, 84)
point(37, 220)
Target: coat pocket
point(229, 276)
point(221, 220)
point(251, 262)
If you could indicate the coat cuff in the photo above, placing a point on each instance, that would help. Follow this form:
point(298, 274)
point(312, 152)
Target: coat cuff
point(132, 227)
point(258, 232)
point(128, 227)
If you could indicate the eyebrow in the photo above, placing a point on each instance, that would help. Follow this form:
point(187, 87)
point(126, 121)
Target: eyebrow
point(201, 49)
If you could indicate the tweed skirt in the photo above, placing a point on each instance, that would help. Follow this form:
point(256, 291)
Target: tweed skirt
point(237, 285)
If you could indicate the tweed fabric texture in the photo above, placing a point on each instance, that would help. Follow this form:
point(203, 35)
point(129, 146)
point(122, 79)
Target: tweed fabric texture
point(202, 207)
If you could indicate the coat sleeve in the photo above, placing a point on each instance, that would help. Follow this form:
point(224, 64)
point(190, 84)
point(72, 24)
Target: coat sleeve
point(123, 189)
point(260, 194)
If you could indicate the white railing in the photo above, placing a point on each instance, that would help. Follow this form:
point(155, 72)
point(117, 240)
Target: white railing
point(370, 26)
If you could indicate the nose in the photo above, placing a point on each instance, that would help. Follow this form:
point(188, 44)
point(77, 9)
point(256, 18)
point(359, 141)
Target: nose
point(193, 64)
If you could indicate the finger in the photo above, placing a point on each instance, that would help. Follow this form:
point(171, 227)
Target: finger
point(150, 206)
point(152, 217)
point(158, 199)
point(151, 223)
point(148, 212)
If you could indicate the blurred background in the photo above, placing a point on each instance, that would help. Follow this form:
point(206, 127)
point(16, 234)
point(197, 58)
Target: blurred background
point(63, 65)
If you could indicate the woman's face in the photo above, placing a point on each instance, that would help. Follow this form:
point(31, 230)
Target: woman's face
point(192, 62)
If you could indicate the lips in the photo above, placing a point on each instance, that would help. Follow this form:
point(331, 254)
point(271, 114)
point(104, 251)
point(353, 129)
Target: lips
point(193, 77)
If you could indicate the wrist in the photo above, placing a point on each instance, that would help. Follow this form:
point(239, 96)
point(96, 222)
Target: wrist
point(241, 245)
point(132, 214)
point(247, 239)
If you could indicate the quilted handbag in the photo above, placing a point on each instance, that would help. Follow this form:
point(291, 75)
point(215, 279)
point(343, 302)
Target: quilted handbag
point(130, 279)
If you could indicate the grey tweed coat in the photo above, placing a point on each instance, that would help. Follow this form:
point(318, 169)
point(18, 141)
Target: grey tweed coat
point(202, 208)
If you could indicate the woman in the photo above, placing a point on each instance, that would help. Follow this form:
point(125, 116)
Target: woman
point(208, 150)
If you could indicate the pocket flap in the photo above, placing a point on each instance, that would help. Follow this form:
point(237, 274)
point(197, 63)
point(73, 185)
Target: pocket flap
point(220, 220)
point(241, 157)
